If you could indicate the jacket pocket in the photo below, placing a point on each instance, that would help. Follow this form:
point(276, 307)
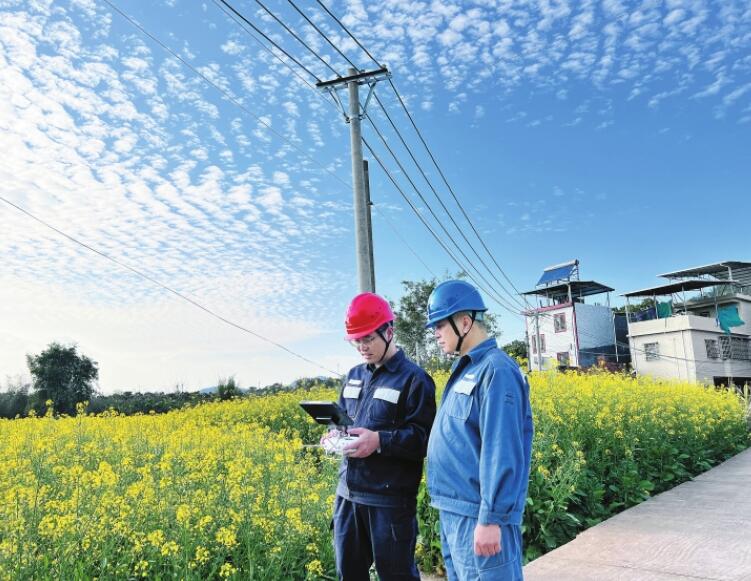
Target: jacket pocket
point(382, 412)
point(459, 406)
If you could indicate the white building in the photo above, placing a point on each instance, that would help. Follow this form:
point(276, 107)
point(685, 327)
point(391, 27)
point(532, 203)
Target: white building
point(697, 327)
point(563, 330)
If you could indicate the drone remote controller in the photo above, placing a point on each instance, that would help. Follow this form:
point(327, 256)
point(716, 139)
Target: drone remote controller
point(335, 443)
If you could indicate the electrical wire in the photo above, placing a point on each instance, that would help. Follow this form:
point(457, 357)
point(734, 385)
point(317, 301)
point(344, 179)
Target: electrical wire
point(352, 36)
point(467, 261)
point(226, 94)
point(430, 153)
point(403, 241)
point(319, 31)
point(435, 162)
point(430, 229)
point(451, 190)
point(513, 298)
point(268, 38)
point(297, 38)
point(242, 25)
point(168, 288)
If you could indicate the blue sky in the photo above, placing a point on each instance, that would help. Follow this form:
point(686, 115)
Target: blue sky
point(613, 132)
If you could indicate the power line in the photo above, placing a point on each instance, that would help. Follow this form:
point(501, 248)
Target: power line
point(468, 262)
point(403, 241)
point(227, 95)
point(266, 36)
point(323, 34)
point(406, 147)
point(453, 194)
point(167, 288)
point(233, 100)
point(242, 25)
point(240, 105)
point(430, 229)
point(435, 162)
point(300, 40)
point(432, 157)
point(352, 36)
point(440, 201)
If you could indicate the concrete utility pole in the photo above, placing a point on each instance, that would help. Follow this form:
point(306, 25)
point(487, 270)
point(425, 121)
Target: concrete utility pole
point(360, 187)
point(369, 224)
point(537, 337)
point(362, 236)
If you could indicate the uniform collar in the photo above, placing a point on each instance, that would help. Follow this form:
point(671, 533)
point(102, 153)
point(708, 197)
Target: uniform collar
point(477, 352)
point(392, 363)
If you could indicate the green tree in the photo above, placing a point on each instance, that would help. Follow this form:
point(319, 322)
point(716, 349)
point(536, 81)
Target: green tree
point(412, 314)
point(635, 307)
point(517, 348)
point(59, 373)
point(14, 401)
point(227, 388)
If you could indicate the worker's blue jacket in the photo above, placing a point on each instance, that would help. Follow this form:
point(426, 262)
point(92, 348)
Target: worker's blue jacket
point(397, 400)
point(480, 445)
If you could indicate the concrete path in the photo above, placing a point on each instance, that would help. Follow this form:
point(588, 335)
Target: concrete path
point(698, 530)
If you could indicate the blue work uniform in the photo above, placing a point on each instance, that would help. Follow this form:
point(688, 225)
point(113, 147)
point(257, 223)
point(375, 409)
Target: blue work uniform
point(375, 508)
point(478, 461)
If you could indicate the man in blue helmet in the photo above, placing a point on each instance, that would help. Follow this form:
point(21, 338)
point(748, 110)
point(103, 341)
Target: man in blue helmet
point(479, 448)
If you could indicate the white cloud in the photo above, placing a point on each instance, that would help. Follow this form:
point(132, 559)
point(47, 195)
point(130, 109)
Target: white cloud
point(128, 151)
point(105, 134)
point(233, 47)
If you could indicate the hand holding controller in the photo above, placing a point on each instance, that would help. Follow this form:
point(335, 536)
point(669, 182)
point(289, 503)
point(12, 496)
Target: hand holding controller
point(335, 441)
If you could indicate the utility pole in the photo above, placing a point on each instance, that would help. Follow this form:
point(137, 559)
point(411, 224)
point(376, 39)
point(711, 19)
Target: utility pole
point(361, 198)
point(537, 338)
point(369, 224)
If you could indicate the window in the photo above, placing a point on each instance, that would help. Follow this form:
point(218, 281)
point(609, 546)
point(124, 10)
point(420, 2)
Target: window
point(542, 343)
point(559, 322)
point(563, 358)
point(652, 351)
point(739, 348)
point(702, 314)
point(713, 351)
point(724, 347)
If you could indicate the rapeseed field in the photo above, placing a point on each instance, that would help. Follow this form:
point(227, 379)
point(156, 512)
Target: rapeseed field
point(232, 489)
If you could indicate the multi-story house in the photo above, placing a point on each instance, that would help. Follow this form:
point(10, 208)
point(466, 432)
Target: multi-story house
point(565, 331)
point(696, 326)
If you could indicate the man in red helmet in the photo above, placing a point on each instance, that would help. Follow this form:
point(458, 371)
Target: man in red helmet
point(392, 404)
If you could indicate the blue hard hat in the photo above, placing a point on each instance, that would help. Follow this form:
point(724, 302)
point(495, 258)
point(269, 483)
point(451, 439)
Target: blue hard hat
point(451, 297)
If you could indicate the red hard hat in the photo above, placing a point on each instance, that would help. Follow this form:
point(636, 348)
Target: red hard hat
point(366, 313)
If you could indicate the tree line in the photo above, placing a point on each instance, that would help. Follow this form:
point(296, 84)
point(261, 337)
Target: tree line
point(63, 378)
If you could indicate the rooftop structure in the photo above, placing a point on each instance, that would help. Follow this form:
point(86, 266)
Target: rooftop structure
point(695, 327)
point(563, 330)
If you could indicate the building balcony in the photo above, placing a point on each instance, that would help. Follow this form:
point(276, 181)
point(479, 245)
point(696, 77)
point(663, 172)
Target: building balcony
point(677, 322)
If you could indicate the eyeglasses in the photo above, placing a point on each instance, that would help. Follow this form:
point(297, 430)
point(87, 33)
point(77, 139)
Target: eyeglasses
point(366, 341)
